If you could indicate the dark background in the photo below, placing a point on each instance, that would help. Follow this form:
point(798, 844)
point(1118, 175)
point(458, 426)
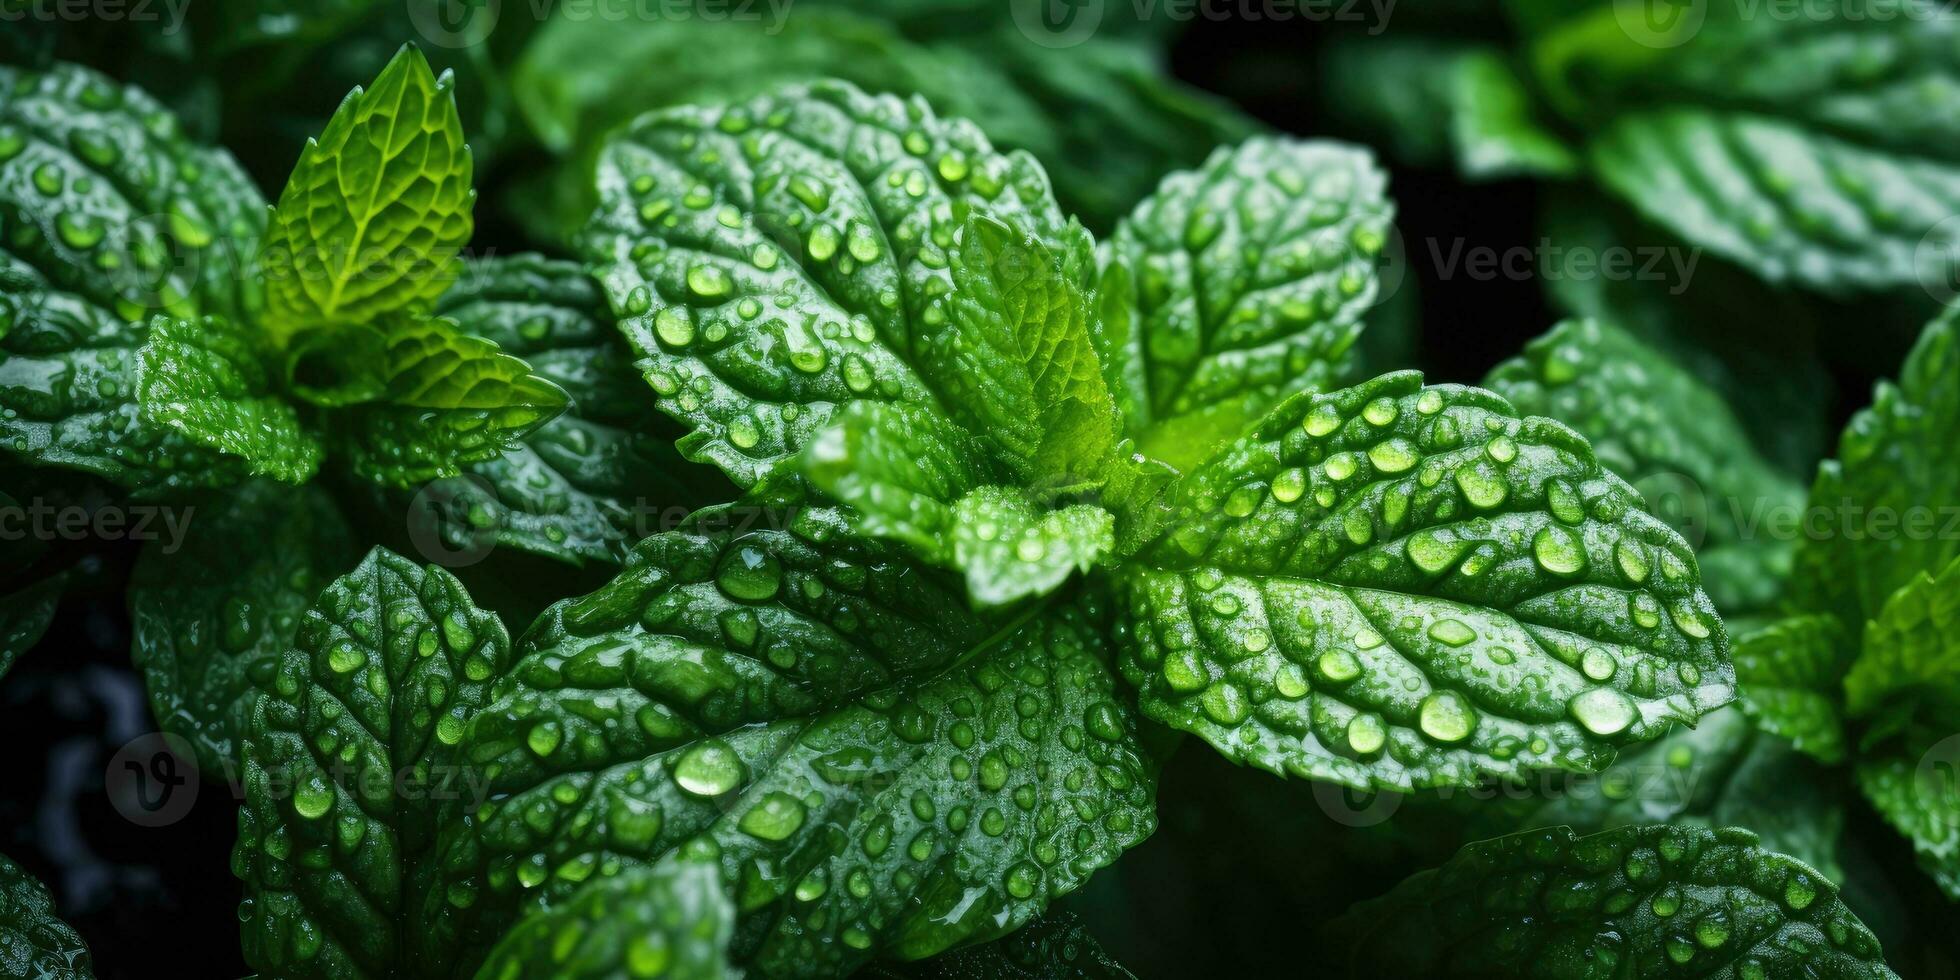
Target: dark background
point(1244, 865)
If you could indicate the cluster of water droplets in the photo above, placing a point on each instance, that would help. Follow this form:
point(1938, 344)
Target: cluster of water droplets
point(1415, 491)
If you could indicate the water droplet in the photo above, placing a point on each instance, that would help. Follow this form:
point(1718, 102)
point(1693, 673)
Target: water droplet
point(1289, 484)
point(1603, 711)
point(1446, 716)
point(749, 573)
point(673, 326)
point(773, 818)
point(1366, 734)
point(710, 768)
point(1558, 550)
point(1451, 632)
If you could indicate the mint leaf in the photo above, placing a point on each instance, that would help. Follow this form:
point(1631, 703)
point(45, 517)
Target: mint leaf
point(449, 400)
point(775, 259)
point(1788, 676)
point(1240, 283)
point(26, 614)
point(33, 941)
point(1911, 786)
point(1055, 946)
point(376, 208)
point(107, 203)
point(669, 920)
point(1396, 586)
point(69, 397)
point(785, 707)
point(110, 215)
point(211, 616)
point(1640, 902)
point(1659, 427)
point(207, 380)
point(1434, 100)
point(1790, 204)
point(580, 487)
point(1011, 549)
point(911, 476)
point(1754, 345)
point(1910, 655)
point(901, 469)
point(382, 677)
point(1721, 773)
point(1018, 366)
point(1893, 484)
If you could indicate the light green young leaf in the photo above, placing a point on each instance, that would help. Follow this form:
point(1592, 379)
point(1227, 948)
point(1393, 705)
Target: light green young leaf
point(790, 718)
point(1911, 653)
point(1895, 459)
point(1787, 675)
point(1791, 204)
point(909, 475)
point(579, 487)
point(901, 469)
point(1398, 586)
point(1010, 548)
point(207, 380)
point(33, 941)
point(352, 765)
point(1674, 439)
point(1912, 784)
point(1237, 284)
point(1017, 365)
point(774, 260)
point(450, 400)
point(377, 208)
point(1055, 946)
point(1652, 902)
point(670, 920)
point(211, 614)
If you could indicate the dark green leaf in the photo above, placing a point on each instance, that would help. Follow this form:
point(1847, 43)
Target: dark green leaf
point(1639, 902)
point(584, 486)
point(776, 259)
point(1913, 786)
point(1659, 427)
point(1396, 586)
point(352, 765)
point(1054, 946)
point(1237, 284)
point(33, 942)
point(1911, 655)
point(668, 920)
point(769, 704)
point(212, 614)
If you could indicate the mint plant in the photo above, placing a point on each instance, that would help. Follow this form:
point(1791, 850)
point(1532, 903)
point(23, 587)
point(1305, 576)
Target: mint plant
point(986, 517)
